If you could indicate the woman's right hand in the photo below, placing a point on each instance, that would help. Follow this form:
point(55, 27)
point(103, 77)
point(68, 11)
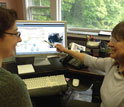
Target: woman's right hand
point(77, 55)
point(60, 48)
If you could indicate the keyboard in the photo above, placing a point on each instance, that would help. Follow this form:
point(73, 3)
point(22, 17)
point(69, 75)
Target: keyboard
point(47, 85)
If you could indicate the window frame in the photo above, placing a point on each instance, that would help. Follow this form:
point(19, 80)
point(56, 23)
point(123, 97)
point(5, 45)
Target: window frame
point(3, 4)
point(55, 7)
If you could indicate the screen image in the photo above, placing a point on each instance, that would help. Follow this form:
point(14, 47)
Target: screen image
point(34, 34)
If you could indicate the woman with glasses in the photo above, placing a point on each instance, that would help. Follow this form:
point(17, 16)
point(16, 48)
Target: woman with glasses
point(13, 91)
point(112, 89)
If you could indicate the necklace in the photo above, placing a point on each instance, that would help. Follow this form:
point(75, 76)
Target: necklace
point(120, 72)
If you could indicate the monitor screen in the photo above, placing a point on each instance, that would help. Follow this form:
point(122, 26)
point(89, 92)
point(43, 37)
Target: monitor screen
point(35, 33)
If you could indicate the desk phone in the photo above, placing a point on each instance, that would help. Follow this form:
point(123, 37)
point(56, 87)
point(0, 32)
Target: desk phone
point(76, 63)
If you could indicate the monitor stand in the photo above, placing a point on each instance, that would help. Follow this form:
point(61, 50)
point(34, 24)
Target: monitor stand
point(41, 60)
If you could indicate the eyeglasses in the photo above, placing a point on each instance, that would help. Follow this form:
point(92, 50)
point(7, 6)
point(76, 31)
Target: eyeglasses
point(18, 34)
point(113, 40)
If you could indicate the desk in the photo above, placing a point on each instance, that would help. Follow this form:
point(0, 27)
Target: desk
point(86, 77)
point(12, 67)
point(84, 71)
point(55, 68)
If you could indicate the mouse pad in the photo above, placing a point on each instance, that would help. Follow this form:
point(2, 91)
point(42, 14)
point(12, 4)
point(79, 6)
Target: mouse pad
point(83, 85)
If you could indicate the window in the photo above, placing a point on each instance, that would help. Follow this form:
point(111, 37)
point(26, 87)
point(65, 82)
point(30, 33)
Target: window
point(38, 9)
point(94, 14)
point(2, 4)
point(42, 9)
point(91, 14)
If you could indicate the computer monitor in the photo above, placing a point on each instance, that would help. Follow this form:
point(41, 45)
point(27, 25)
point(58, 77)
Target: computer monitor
point(35, 33)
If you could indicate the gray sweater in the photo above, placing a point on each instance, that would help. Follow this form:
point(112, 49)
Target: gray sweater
point(13, 91)
point(112, 89)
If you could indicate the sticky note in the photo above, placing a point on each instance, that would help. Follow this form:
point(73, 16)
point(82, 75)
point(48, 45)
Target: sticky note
point(27, 68)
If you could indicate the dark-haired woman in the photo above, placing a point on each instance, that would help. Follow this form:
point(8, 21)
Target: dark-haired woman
point(13, 91)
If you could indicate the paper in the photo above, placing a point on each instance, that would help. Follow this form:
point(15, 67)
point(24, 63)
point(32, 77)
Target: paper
point(104, 33)
point(23, 69)
point(77, 47)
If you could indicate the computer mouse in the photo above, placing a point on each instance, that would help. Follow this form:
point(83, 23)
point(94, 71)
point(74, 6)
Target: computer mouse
point(75, 82)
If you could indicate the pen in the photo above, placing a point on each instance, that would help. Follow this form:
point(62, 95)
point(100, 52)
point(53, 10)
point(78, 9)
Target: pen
point(49, 43)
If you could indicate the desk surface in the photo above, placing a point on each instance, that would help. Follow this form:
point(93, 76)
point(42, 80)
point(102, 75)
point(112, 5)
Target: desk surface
point(56, 65)
point(85, 71)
